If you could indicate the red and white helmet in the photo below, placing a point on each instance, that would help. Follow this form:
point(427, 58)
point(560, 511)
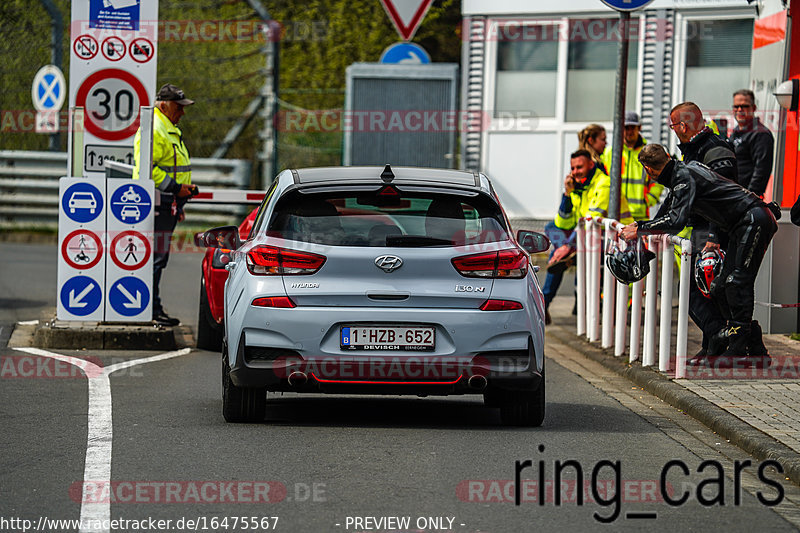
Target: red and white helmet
point(707, 268)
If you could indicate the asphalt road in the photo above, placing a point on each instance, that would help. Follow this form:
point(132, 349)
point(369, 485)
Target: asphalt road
point(327, 463)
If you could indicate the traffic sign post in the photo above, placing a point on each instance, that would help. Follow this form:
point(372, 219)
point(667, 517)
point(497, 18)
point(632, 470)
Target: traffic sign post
point(624, 7)
point(48, 92)
point(129, 267)
point(112, 74)
point(81, 266)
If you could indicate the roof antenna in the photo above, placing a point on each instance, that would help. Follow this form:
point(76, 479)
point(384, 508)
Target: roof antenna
point(387, 175)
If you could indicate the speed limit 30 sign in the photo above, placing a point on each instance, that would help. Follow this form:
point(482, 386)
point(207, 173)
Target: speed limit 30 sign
point(111, 99)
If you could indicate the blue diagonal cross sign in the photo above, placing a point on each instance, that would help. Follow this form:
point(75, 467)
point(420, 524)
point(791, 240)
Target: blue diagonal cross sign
point(49, 89)
point(81, 295)
point(129, 296)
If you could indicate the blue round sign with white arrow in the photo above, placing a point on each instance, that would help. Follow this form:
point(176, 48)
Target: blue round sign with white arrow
point(130, 203)
point(129, 296)
point(405, 53)
point(82, 202)
point(81, 295)
point(626, 5)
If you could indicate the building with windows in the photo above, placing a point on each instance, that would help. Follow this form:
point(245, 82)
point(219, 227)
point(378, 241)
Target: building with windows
point(538, 72)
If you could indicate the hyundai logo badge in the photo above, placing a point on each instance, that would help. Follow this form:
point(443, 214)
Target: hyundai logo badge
point(388, 263)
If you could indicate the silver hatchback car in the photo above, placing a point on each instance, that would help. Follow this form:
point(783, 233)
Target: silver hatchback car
point(371, 280)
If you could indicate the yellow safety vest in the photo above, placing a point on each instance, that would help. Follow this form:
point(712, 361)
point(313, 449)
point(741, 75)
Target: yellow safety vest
point(171, 162)
point(637, 188)
point(592, 201)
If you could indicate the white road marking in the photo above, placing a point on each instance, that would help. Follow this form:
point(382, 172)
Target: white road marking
point(28, 323)
point(97, 468)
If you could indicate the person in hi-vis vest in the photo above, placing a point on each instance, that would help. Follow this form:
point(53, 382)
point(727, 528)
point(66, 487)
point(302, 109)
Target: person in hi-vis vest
point(172, 175)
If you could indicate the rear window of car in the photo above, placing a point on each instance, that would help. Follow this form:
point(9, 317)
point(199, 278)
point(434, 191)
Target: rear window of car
point(405, 219)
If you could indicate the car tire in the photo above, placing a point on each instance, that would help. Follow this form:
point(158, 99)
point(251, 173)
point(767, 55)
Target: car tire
point(209, 333)
point(525, 408)
point(241, 404)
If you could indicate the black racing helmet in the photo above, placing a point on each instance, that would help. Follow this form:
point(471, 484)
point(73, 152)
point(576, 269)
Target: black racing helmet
point(708, 267)
point(631, 264)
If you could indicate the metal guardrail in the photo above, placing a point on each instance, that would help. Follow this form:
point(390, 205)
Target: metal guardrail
point(29, 189)
point(590, 260)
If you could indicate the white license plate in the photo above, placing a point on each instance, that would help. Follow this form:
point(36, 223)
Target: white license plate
point(387, 338)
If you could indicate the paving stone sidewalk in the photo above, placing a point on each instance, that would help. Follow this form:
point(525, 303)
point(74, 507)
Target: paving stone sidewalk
point(766, 399)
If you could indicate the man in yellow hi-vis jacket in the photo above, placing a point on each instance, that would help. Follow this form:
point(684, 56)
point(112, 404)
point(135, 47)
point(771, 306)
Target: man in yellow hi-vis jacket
point(172, 175)
point(587, 190)
point(641, 193)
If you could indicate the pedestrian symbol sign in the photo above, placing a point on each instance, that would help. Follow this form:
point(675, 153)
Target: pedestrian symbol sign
point(130, 203)
point(82, 249)
point(129, 296)
point(81, 295)
point(82, 202)
point(130, 250)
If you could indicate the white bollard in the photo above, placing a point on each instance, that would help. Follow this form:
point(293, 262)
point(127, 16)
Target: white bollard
point(636, 321)
point(608, 289)
point(683, 307)
point(665, 328)
point(593, 314)
point(621, 324)
point(581, 259)
point(649, 356)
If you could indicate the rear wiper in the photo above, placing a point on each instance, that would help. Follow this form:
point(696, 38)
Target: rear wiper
point(412, 241)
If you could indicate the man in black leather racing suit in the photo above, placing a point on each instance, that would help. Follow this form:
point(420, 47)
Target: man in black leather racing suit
point(696, 190)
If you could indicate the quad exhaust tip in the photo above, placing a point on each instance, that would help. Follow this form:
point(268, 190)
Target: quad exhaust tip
point(477, 382)
point(297, 379)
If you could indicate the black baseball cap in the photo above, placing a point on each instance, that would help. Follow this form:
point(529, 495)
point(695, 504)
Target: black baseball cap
point(171, 93)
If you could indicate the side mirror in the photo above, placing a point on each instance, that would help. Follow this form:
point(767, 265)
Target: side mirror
point(533, 242)
point(226, 237)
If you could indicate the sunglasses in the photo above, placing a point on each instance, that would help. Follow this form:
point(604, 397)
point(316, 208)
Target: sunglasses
point(742, 106)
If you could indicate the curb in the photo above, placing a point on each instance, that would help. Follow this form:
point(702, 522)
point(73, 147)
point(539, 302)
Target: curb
point(753, 441)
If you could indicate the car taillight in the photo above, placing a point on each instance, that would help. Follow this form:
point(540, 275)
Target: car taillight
point(281, 302)
point(500, 305)
point(511, 263)
point(274, 261)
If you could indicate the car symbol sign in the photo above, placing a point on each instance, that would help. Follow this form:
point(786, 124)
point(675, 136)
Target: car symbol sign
point(388, 263)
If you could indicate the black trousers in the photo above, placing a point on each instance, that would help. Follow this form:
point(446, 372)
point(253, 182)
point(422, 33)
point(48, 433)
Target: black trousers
point(734, 290)
point(164, 225)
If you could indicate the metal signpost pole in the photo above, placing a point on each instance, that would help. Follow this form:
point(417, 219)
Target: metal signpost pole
point(624, 7)
point(619, 113)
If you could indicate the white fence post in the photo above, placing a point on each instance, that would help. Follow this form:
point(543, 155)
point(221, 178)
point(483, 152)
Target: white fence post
point(608, 289)
point(665, 327)
point(683, 308)
point(636, 321)
point(621, 324)
point(649, 357)
point(581, 259)
point(593, 314)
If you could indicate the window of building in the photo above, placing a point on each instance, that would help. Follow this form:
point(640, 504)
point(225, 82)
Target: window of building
point(527, 64)
point(592, 66)
point(717, 61)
